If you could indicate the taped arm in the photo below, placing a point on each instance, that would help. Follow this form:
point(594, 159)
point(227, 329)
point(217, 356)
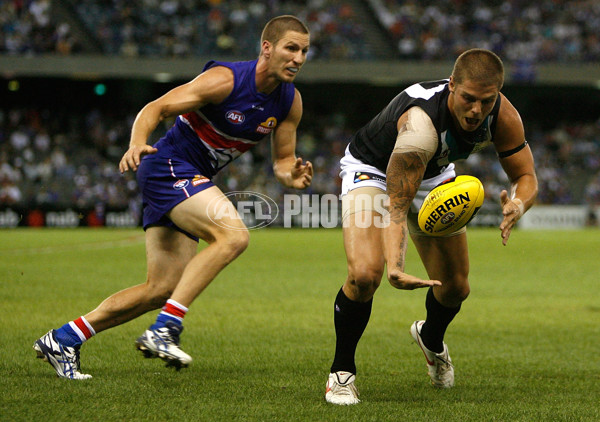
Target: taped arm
point(416, 133)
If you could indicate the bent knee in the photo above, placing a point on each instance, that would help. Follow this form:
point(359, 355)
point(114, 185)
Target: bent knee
point(365, 280)
point(157, 296)
point(456, 293)
point(233, 244)
point(462, 293)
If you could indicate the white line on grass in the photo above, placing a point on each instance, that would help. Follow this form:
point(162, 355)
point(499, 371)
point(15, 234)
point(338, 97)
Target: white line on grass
point(130, 241)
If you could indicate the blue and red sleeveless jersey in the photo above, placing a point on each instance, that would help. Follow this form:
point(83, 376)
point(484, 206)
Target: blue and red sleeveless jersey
point(216, 134)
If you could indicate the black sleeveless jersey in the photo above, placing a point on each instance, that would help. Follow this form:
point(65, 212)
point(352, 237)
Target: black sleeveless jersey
point(374, 142)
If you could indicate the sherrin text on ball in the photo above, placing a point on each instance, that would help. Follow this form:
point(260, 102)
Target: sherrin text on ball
point(451, 205)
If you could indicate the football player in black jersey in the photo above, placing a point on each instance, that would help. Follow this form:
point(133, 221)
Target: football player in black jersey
point(389, 167)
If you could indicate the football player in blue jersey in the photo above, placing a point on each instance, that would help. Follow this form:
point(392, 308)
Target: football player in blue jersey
point(222, 113)
point(400, 155)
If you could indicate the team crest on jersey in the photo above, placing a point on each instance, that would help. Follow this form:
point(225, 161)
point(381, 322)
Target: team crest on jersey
point(181, 184)
point(198, 180)
point(267, 126)
point(235, 117)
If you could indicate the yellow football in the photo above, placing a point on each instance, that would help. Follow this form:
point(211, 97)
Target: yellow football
point(450, 206)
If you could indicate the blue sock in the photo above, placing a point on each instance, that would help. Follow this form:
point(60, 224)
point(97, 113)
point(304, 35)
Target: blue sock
point(66, 336)
point(173, 312)
point(162, 320)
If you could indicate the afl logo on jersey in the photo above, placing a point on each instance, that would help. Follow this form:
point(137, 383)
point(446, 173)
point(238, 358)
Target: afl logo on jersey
point(180, 184)
point(235, 117)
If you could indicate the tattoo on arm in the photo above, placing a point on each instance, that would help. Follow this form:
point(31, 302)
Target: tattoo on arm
point(403, 246)
point(404, 175)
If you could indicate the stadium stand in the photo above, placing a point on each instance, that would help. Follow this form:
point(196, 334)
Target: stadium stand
point(67, 157)
point(547, 31)
point(221, 28)
point(567, 161)
point(71, 159)
point(62, 160)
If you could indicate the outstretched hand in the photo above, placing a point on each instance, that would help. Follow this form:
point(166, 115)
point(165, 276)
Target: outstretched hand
point(132, 158)
point(404, 281)
point(512, 210)
point(302, 174)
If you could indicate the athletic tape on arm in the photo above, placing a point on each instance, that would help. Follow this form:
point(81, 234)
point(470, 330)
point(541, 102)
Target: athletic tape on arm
point(520, 205)
point(418, 134)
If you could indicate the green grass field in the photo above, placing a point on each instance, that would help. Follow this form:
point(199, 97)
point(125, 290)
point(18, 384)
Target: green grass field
point(525, 345)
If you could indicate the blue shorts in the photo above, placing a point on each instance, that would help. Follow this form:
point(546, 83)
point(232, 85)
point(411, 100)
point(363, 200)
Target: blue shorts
point(165, 180)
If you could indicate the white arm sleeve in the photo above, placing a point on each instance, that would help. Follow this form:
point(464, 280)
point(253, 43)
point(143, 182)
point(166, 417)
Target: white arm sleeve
point(418, 134)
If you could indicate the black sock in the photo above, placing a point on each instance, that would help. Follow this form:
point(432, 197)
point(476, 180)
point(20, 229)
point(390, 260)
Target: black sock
point(350, 319)
point(438, 319)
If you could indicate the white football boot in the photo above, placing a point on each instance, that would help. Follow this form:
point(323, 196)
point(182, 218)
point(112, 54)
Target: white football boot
point(341, 389)
point(164, 343)
point(439, 365)
point(64, 359)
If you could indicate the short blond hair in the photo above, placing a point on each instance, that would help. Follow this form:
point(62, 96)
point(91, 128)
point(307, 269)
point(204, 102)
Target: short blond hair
point(479, 65)
point(276, 28)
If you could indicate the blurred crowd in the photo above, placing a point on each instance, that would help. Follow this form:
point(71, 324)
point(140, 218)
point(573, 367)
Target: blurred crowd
point(213, 27)
point(520, 31)
point(54, 158)
point(177, 28)
point(567, 159)
point(27, 28)
point(60, 158)
point(540, 31)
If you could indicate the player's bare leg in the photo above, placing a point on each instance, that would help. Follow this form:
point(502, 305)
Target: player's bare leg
point(212, 217)
point(363, 244)
point(446, 259)
point(364, 256)
point(168, 251)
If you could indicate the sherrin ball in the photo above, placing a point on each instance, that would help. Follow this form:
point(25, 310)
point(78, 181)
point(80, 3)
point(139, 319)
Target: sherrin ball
point(451, 205)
